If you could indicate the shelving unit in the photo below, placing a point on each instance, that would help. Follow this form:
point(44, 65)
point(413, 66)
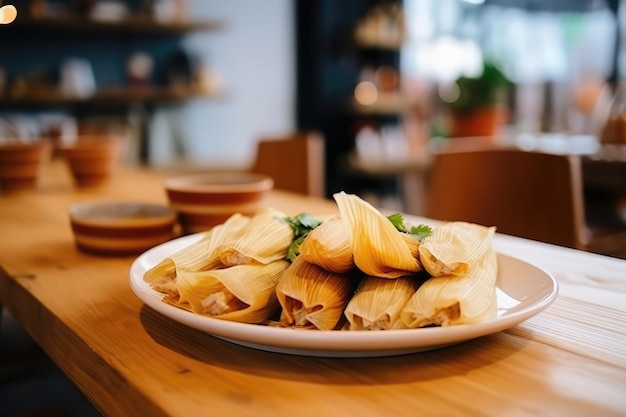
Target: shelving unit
point(381, 52)
point(109, 96)
point(331, 56)
point(130, 25)
point(131, 28)
point(33, 47)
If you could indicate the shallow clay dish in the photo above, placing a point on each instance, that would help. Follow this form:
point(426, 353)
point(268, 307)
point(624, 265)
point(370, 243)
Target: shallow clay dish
point(120, 228)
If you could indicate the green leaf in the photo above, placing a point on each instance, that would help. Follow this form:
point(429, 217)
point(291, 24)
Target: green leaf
point(294, 248)
point(417, 232)
point(308, 221)
point(301, 225)
point(420, 232)
point(398, 221)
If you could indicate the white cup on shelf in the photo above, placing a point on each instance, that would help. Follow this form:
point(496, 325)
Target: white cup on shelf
point(77, 79)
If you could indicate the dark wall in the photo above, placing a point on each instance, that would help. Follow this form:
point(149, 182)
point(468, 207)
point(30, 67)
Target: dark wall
point(328, 67)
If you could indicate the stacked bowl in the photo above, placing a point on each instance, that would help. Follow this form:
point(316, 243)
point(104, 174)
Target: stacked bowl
point(21, 164)
point(207, 199)
point(93, 159)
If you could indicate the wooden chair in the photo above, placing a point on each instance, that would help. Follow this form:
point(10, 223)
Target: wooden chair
point(528, 194)
point(295, 162)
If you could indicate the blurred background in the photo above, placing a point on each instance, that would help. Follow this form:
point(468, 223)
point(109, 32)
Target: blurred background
point(200, 82)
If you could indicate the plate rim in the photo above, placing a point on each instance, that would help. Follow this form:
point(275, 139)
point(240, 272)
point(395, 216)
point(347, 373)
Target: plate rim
point(331, 342)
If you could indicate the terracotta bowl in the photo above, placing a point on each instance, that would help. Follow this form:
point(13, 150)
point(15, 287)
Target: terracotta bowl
point(120, 228)
point(205, 200)
point(93, 159)
point(21, 165)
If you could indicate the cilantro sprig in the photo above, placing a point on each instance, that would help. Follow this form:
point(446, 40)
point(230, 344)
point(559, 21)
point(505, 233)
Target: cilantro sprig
point(418, 232)
point(301, 225)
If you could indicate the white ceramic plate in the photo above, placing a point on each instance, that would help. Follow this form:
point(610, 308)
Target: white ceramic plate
point(523, 291)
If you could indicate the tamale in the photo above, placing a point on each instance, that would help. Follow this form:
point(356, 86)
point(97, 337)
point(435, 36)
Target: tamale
point(329, 246)
point(378, 302)
point(266, 238)
point(245, 293)
point(312, 297)
point(455, 299)
point(199, 256)
point(453, 246)
point(379, 249)
point(162, 276)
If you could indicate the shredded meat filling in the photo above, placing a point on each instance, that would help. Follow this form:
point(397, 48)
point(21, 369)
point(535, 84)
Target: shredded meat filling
point(443, 316)
point(222, 302)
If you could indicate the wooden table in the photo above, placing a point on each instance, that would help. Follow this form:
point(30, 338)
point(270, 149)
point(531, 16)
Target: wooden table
point(128, 360)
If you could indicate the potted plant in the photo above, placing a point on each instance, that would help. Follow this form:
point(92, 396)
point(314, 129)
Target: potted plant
point(480, 109)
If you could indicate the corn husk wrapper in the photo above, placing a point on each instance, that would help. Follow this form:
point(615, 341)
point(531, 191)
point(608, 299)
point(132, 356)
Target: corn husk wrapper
point(452, 247)
point(162, 276)
point(265, 239)
point(245, 293)
point(202, 255)
point(378, 248)
point(455, 299)
point(330, 246)
point(312, 297)
point(378, 302)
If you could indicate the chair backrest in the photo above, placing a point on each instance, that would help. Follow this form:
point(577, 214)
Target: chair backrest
point(295, 162)
point(528, 194)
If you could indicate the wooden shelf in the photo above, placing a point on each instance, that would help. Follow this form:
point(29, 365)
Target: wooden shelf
point(115, 96)
point(386, 105)
point(139, 25)
point(380, 44)
point(32, 27)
